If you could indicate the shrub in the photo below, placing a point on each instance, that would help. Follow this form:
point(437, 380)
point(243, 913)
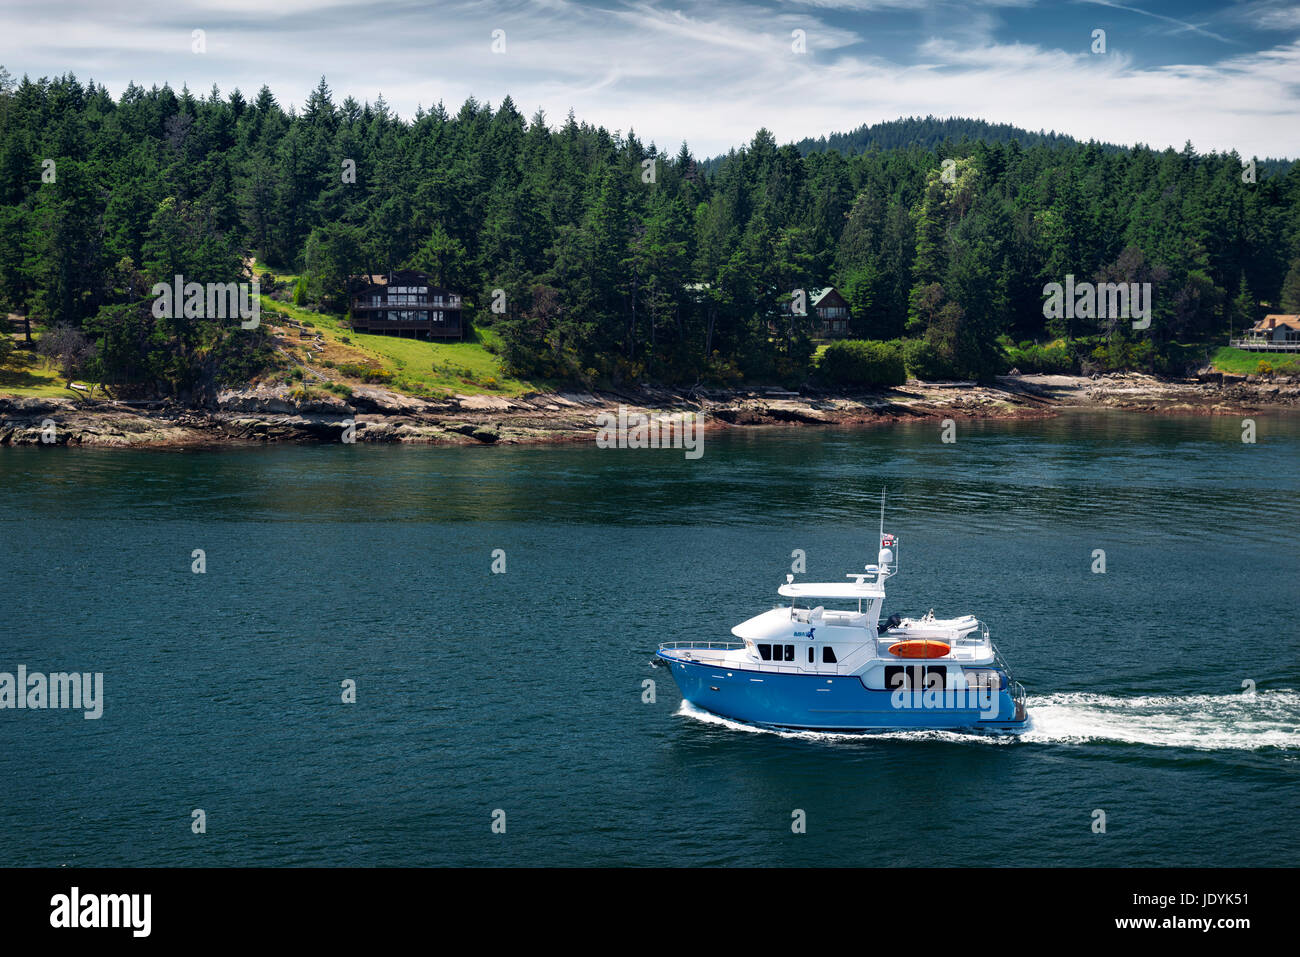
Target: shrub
point(1117, 355)
point(923, 361)
point(1029, 357)
point(861, 362)
point(1178, 359)
point(369, 374)
point(1264, 368)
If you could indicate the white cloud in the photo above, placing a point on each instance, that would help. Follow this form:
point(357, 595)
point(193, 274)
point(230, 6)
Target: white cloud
point(709, 73)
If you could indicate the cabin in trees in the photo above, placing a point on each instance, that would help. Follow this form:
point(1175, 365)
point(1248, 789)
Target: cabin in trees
point(829, 311)
point(1275, 333)
point(405, 303)
point(832, 312)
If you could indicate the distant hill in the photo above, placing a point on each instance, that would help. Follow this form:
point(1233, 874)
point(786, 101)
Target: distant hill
point(929, 132)
point(925, 132)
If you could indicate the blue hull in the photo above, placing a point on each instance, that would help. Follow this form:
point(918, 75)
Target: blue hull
point(837, 703)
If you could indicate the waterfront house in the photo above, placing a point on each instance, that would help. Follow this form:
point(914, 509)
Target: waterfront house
point(405, 303)
point(1275, 333)
point(832, 311)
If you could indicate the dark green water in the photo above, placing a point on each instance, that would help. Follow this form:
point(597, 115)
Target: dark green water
point(523, 691)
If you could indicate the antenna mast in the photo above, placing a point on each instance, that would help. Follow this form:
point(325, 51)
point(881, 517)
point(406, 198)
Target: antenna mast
point(886, 556)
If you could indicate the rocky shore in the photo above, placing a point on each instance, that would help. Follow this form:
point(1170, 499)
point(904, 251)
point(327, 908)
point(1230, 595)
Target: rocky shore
point(376, 415)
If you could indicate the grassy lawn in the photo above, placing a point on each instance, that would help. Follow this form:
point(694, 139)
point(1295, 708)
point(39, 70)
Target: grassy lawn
point(28, 375)
point(1245, 362)
point(418, 367)
point(430, 369)
point(258, 268)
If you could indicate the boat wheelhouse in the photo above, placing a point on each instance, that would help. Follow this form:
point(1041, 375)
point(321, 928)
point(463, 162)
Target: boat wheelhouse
point(807, 665)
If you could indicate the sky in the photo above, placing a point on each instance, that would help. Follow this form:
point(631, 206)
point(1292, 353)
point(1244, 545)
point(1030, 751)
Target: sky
point(1223, 75)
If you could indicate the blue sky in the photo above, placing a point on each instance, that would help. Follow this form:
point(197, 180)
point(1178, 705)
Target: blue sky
point(1223, 75)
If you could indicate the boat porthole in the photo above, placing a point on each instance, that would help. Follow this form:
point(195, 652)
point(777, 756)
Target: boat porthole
point(713, 687)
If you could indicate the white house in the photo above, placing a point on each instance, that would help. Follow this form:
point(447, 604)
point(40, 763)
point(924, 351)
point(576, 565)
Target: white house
point(1275, 333)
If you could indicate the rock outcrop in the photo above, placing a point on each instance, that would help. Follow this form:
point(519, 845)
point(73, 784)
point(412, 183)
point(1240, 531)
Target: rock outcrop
point(370, 414)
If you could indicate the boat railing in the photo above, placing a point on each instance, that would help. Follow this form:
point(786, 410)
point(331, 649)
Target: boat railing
point(714, 645)
point(978, 636)
point(1018, 696)
point(841, 669)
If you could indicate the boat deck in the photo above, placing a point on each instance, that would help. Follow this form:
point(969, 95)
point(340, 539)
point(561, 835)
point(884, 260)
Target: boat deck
point(964, 651)
point(970, 649)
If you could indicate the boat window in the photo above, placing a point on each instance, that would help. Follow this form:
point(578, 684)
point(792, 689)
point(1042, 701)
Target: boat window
point(916, 677)
point(828, 655)
point(906, 677)
point(811, 655)
point(789, 652)
point(765, 652)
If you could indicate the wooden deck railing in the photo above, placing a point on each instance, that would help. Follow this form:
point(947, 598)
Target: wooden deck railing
point(1265, 345)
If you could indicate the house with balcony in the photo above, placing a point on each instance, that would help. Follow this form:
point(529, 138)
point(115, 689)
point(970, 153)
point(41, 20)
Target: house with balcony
point(1275, 333)
point(832, 311)
point(405, 303)
point(829, 313)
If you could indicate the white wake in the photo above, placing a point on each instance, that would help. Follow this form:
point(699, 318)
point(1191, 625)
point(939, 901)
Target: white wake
point(1205, 722)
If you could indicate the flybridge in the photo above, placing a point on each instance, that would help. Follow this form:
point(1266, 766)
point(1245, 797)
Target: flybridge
point(859, 588)
point(832, 590)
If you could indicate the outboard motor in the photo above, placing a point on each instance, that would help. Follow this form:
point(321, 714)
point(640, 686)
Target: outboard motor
point(894, 622)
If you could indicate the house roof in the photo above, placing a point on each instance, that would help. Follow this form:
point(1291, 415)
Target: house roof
point(1275, 320)
point(399, 276)
point(820, 294)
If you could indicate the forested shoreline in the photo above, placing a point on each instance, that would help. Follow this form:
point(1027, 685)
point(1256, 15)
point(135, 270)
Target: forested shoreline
point(616, 261)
